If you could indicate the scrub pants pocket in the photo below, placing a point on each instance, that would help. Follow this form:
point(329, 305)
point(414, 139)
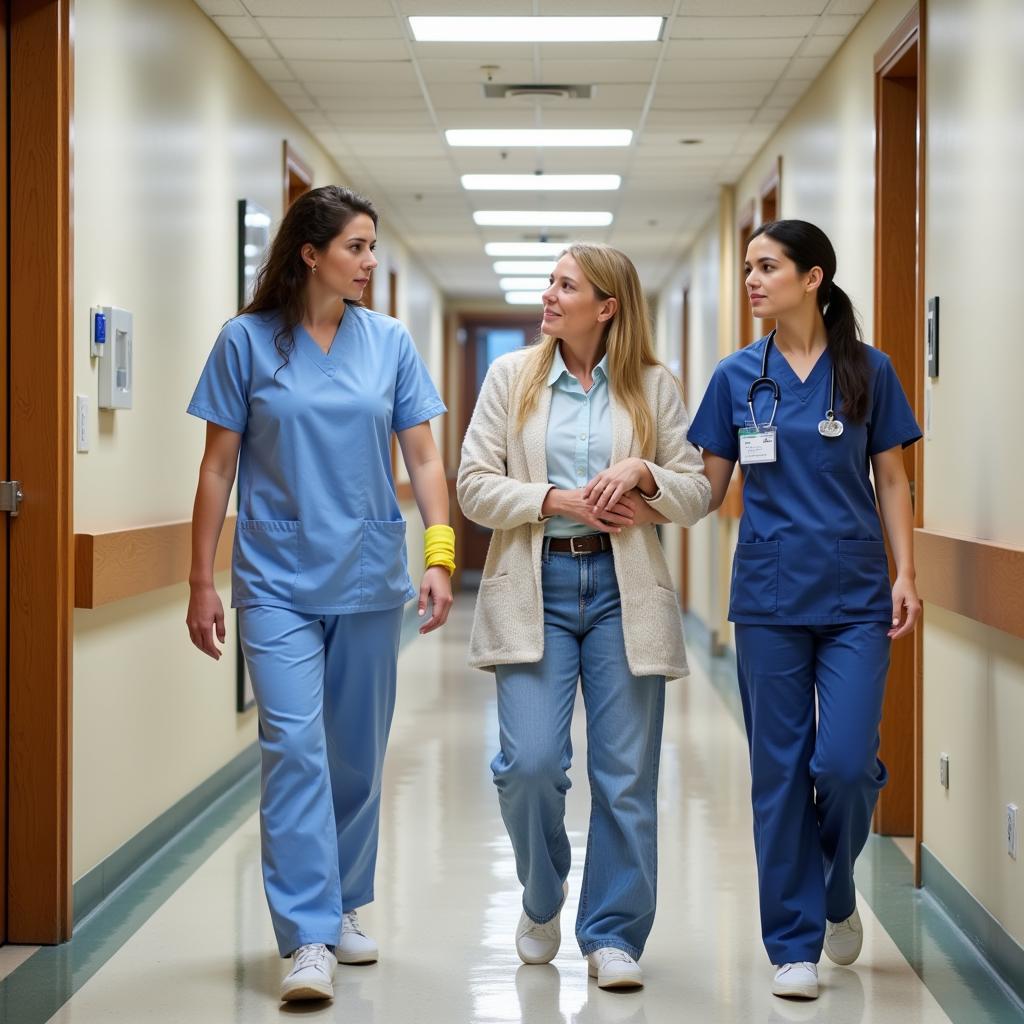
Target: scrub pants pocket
point(755, 578)
point(863, 577)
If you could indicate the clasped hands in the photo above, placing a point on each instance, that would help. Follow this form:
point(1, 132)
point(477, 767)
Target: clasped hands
point(609, 502)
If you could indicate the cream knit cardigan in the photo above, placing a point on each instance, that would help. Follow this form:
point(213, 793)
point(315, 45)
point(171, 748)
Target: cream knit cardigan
point(503, 480)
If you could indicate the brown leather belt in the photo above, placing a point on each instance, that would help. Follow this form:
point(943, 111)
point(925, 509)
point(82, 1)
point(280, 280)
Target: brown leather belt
point(589, 544)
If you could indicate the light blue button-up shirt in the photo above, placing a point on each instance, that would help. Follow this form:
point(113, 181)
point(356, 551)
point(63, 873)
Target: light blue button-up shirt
point(579, 439)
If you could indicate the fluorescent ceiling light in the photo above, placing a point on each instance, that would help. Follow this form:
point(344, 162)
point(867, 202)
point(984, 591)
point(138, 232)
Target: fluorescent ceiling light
point(510, 137)
point(524, 266)
point(543, 218)
point(512, 284)
point(524, 298)
point(536, 30)
point(524, 248)
point(541, 182)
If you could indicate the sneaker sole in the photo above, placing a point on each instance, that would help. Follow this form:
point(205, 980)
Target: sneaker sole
point(841, 961)
point(535, 961)
point(352, 959)
point(794, 991)
point(614, 983)
point(306, 992)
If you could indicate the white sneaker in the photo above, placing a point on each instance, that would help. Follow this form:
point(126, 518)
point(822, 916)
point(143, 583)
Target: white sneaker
point(844, 939)
point(355, 947)
point(312, 974)
point(796, 981)
point(614, 968)
point(538, 943)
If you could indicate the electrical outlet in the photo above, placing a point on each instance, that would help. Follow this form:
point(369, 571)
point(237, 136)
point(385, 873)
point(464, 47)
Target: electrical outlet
point(1011, 830)
point(944, 770)
point(81, 423)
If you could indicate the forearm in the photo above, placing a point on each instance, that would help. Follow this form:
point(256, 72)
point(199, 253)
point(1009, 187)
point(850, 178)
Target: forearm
point(208, 513)
point(898, 519)
point(430, 488)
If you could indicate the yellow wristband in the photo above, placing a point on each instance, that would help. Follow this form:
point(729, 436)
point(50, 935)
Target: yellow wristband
point(439, 547)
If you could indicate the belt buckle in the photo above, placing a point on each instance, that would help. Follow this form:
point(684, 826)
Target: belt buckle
point(572, 547)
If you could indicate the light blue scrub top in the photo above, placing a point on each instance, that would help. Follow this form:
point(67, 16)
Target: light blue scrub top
point(810, 548)
point(319, 529)
point(579, 438)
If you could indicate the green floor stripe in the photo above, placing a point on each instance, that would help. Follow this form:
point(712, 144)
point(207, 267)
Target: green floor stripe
point(39, 987)
point(950, 966)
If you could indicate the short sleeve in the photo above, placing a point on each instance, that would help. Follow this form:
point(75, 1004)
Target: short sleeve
point(222, 394)
point(416, 398)
point(712, 427)
point(892, 420)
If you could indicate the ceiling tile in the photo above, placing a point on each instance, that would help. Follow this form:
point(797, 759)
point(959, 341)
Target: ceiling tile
point(754, 8)
point(464, 7)
point(332, 28)
point(857, 7)
point(238, 28)
point(372, 75)
point(307, 8)
point(743, 49)
point(469, 71)
point(760, 70)
point(606, 7)
point(756, 27)
point(255, 49)
point(273, 70)
point(589, 71)
point(343, 49)
point(805, 68)
point(836, 24)
point(212, 7)
point(821, 46)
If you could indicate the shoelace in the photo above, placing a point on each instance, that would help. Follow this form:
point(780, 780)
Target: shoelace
point(350, 923)
point(615, 956)
point(546, 930)
point(310, 956)
point(842, 926)
point(786, 968)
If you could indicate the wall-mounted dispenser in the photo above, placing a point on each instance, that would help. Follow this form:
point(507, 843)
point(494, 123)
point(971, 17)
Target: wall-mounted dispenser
point(112, 340)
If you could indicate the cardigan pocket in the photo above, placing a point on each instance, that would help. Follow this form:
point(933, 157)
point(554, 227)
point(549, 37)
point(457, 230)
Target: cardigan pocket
point(496, 625)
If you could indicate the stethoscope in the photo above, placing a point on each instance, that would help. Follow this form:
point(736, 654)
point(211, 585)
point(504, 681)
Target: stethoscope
point(828, 427)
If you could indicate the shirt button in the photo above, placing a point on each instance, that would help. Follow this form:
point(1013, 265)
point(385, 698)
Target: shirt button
point(583, 437)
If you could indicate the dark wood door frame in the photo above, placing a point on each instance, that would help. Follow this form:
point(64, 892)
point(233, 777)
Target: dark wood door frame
point(40, 581)
point(899, 330)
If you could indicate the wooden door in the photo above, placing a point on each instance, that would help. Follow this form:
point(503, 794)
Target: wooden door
point(4, 468)
point(899, 331)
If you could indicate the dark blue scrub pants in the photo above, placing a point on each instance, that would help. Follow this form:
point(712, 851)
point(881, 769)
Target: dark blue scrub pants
point(814, 788)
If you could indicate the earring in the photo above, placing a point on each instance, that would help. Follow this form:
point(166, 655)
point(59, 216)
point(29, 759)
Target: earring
point(314, 268)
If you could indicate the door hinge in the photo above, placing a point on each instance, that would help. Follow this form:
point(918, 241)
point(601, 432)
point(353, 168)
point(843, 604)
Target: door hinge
point(10, 496)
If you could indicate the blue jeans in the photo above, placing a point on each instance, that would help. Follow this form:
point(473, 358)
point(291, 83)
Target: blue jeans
point(814, 785)
point(583, 641)
point(325, 689)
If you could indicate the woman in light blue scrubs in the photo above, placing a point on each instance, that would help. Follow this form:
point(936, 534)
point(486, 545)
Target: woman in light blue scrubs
point(302, 391)
point(808, 411)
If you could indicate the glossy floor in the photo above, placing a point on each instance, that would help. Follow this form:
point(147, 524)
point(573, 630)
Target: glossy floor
point(448, 899)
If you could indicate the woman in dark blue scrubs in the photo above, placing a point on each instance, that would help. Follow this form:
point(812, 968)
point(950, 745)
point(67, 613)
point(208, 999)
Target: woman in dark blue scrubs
point(807, 411)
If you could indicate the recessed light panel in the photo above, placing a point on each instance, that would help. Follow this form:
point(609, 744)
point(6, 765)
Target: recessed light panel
point(524, 298)
point(536, 30)
point(518, 284)
point(524, 267)
point(524, 248)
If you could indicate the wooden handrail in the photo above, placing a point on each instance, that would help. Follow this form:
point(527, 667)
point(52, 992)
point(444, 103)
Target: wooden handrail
point(978, 579)
point(125, 563)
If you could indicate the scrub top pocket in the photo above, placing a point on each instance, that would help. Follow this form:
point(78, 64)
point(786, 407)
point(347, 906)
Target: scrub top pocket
point(755, 579)
point(266, 559)
point(383, 568)
point(864, 578)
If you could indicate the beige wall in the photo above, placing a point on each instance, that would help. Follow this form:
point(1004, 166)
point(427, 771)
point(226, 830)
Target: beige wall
point(172, 127)
point(974, 676)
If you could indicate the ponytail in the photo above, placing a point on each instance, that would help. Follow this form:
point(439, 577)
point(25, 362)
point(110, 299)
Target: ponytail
point(846, 348)
point(808, 246)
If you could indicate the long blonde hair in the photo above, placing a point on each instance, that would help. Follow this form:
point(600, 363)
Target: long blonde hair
point(629, 339)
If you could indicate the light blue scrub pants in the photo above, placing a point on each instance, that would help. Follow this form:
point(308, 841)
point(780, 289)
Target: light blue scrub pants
point(814, 788)
point(325, 690)
point(583, 642)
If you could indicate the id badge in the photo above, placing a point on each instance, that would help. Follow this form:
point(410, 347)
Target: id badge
point(757, 444)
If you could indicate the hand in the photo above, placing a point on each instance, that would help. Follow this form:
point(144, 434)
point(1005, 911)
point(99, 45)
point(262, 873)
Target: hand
point(611, 484)
point(906, 607)
point(643, 514)
point(205, 614)
point(572, 505)
point(436, 589)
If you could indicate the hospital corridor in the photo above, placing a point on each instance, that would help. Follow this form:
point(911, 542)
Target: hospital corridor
point(511, 512)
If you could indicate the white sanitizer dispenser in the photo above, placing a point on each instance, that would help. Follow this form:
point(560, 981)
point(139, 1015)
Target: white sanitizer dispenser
point(113, 341)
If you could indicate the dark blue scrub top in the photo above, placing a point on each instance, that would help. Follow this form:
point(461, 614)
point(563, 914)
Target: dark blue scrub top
point(319, 529)
point(810, 545)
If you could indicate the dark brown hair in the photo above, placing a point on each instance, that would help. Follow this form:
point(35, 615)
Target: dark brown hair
point(316, 218)
point(808, 246)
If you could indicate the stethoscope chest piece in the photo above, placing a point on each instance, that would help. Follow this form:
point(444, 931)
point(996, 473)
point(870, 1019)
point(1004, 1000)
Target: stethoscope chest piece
point(830, 426)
